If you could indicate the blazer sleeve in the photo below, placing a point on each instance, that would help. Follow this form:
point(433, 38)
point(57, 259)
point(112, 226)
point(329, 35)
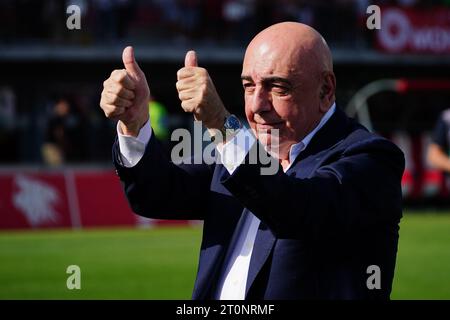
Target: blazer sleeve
point(352, 190)
point(157, 188)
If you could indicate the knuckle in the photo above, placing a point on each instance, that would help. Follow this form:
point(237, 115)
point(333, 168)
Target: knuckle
point(121, 78)
point(109, 98)
point(185, 106)
point(180, 73)
point(113, 88)
point(118, 75)
point(115, 72)
point(104, 98)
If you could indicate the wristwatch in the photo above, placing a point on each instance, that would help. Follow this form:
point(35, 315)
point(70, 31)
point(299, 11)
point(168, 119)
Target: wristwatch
point(230, 128)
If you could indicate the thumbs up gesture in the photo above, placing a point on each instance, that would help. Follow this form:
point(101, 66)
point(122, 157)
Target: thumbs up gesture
point(198, 94)
point(126, 94)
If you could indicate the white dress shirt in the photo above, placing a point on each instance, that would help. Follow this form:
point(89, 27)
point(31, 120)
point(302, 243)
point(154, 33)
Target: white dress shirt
point(233, 281)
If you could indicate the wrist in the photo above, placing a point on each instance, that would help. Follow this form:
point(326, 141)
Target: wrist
point(132, 128)
point(229, 128)
point(218, 121)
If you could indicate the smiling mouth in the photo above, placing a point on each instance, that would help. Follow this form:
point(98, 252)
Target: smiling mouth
point(268, 126)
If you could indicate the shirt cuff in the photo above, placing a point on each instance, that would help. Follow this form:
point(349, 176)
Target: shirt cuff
point(132, 149)
point(233, 152)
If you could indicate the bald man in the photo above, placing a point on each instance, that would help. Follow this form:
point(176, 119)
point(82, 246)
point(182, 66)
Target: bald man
point(324, 225)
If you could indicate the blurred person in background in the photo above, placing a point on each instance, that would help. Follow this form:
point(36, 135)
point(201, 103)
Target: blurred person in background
point(64, 139)
point(438, 153)
point(315, 227)
point(160, 118)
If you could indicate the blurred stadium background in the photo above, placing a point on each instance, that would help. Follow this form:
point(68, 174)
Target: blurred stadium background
point(60, 200)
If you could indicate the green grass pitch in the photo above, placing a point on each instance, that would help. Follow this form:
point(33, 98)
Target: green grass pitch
point(161, 263)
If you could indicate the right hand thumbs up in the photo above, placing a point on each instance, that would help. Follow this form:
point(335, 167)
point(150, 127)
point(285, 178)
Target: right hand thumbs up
point(126, 95)
point(191, 59)
point(198, 94)
point(131, 66)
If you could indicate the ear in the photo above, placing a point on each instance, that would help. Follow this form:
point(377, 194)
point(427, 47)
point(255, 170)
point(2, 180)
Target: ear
point(322, 93)
point(327, 91)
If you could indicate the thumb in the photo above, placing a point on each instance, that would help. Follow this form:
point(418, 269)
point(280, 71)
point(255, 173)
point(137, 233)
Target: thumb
point(191, 59)
point(130, 63)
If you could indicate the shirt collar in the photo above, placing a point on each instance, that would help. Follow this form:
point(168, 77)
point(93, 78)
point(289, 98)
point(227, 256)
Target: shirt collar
point(297, 148)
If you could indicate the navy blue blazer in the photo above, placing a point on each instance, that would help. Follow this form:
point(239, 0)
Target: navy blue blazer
point(334, 213)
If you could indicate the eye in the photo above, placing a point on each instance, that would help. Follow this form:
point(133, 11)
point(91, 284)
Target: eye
point(280, 89)
point(248, 87)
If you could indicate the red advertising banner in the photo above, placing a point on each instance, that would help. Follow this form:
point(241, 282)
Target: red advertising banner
point(33, 200)
point(69, 198)
point(102, 200)
point(414, 30)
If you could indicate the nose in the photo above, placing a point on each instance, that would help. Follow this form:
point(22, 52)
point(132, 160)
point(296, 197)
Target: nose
point(261, 100)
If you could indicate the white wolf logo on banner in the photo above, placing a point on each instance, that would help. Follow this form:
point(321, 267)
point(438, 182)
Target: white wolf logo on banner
point(35, 199)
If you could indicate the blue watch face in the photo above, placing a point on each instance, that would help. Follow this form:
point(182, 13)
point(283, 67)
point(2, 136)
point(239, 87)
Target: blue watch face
point(232, 123)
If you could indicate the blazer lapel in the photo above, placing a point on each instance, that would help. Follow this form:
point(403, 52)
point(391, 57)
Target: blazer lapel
point(221, 229)
point(321, 145)
point(262, 248)
point(329, 135)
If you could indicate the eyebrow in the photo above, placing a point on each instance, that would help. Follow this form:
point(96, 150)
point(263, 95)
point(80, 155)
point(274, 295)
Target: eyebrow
point(269, 80)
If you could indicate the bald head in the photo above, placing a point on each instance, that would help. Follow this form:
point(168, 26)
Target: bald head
point(288, 82)
point(304, 47)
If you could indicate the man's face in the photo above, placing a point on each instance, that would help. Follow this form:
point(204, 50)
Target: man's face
point(281, 93)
